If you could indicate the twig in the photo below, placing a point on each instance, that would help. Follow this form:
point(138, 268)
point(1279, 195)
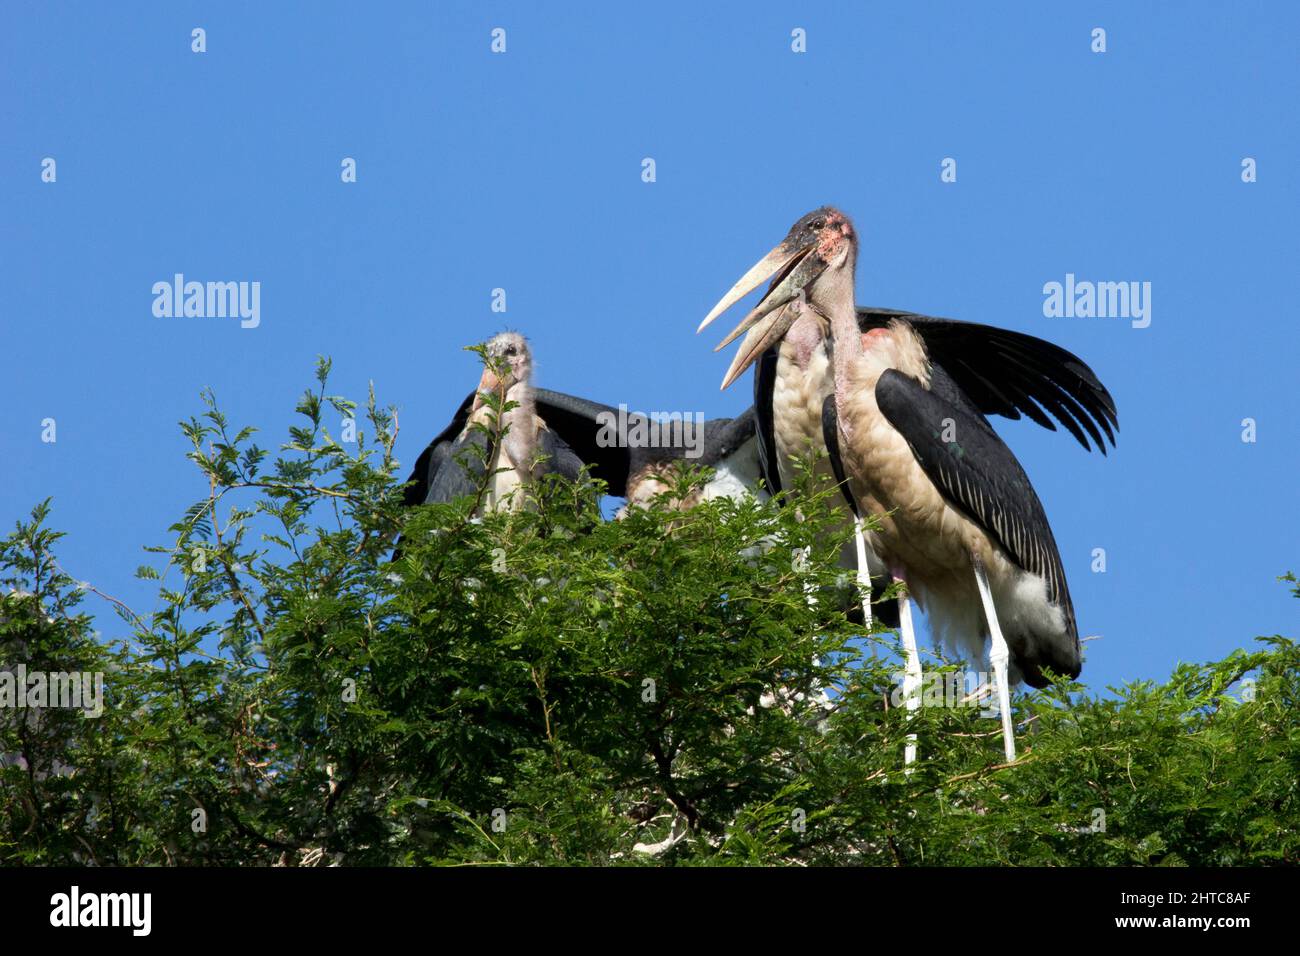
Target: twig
point(998, 766)
point(231, 578)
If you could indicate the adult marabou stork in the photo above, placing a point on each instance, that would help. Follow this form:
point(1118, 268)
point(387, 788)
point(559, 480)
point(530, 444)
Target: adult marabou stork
point(889, 395)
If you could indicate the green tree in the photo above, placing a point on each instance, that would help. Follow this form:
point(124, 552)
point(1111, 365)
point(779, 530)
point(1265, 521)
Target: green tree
point(543, 687)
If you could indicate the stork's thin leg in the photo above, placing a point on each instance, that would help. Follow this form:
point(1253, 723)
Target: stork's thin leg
point(912, 672)
point(999, 657)
point(809, 589)
point(810, 595)
point(864, 572)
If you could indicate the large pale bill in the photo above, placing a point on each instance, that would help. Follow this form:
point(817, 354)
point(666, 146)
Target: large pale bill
point(760, 338)
point(772, 318)
point(765, 268)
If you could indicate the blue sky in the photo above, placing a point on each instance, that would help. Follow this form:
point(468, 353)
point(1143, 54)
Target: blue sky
point(522, 171)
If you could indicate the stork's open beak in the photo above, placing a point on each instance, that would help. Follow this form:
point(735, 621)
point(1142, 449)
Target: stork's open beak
point(769, 320)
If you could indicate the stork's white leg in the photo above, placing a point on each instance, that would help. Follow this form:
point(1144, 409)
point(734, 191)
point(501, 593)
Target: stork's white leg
point(864, 572)
point(912, 672)
point(801, 561)
point(810, 595)
point(999, 657)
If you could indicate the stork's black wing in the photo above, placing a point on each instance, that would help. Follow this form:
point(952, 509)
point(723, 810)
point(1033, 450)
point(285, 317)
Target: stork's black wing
point(723, 436)
point(576, 422)
point(463, 463)
point(437, 477)
point(765, 426)
point(463, 467)
point(975, 472)
point(434, 457)
point(560, 458)
point(722, 443)
point(590, 430)
point(831, 435)
point(1010, 373)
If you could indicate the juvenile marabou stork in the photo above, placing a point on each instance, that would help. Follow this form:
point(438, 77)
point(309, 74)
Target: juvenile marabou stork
point(577, 431)
point(960, 520)
point(561, 433)
point(516, 452)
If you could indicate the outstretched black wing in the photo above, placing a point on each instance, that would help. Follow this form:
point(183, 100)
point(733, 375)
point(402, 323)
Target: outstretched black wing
point(589, 429)
point(560, 459)
point(977, 473)
point(1010, 373)
point(462, 468)
point(592, 431)
point(434, 458)
point(1003, 372)
point(575, 422)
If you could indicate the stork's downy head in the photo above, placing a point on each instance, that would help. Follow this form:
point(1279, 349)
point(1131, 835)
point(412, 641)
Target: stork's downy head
point(509, 363)
point(817, 253)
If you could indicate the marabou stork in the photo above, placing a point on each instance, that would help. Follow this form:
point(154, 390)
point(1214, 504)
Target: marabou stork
point(578, 432)
point(561, 433)
point(517, 451)
point(898, 400)
point(728, 445)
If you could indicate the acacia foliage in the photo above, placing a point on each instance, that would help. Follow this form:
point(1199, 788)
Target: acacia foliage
point(546, 687)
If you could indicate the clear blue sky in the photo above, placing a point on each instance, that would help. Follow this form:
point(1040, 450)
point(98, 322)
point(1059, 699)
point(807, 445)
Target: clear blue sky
point(523, 171)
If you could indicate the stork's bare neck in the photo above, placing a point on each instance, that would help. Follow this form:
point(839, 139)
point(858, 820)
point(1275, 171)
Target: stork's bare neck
point(846, 349)
point(509, 373)
point(520, 427)
point(832, 294)
point(522, 394)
